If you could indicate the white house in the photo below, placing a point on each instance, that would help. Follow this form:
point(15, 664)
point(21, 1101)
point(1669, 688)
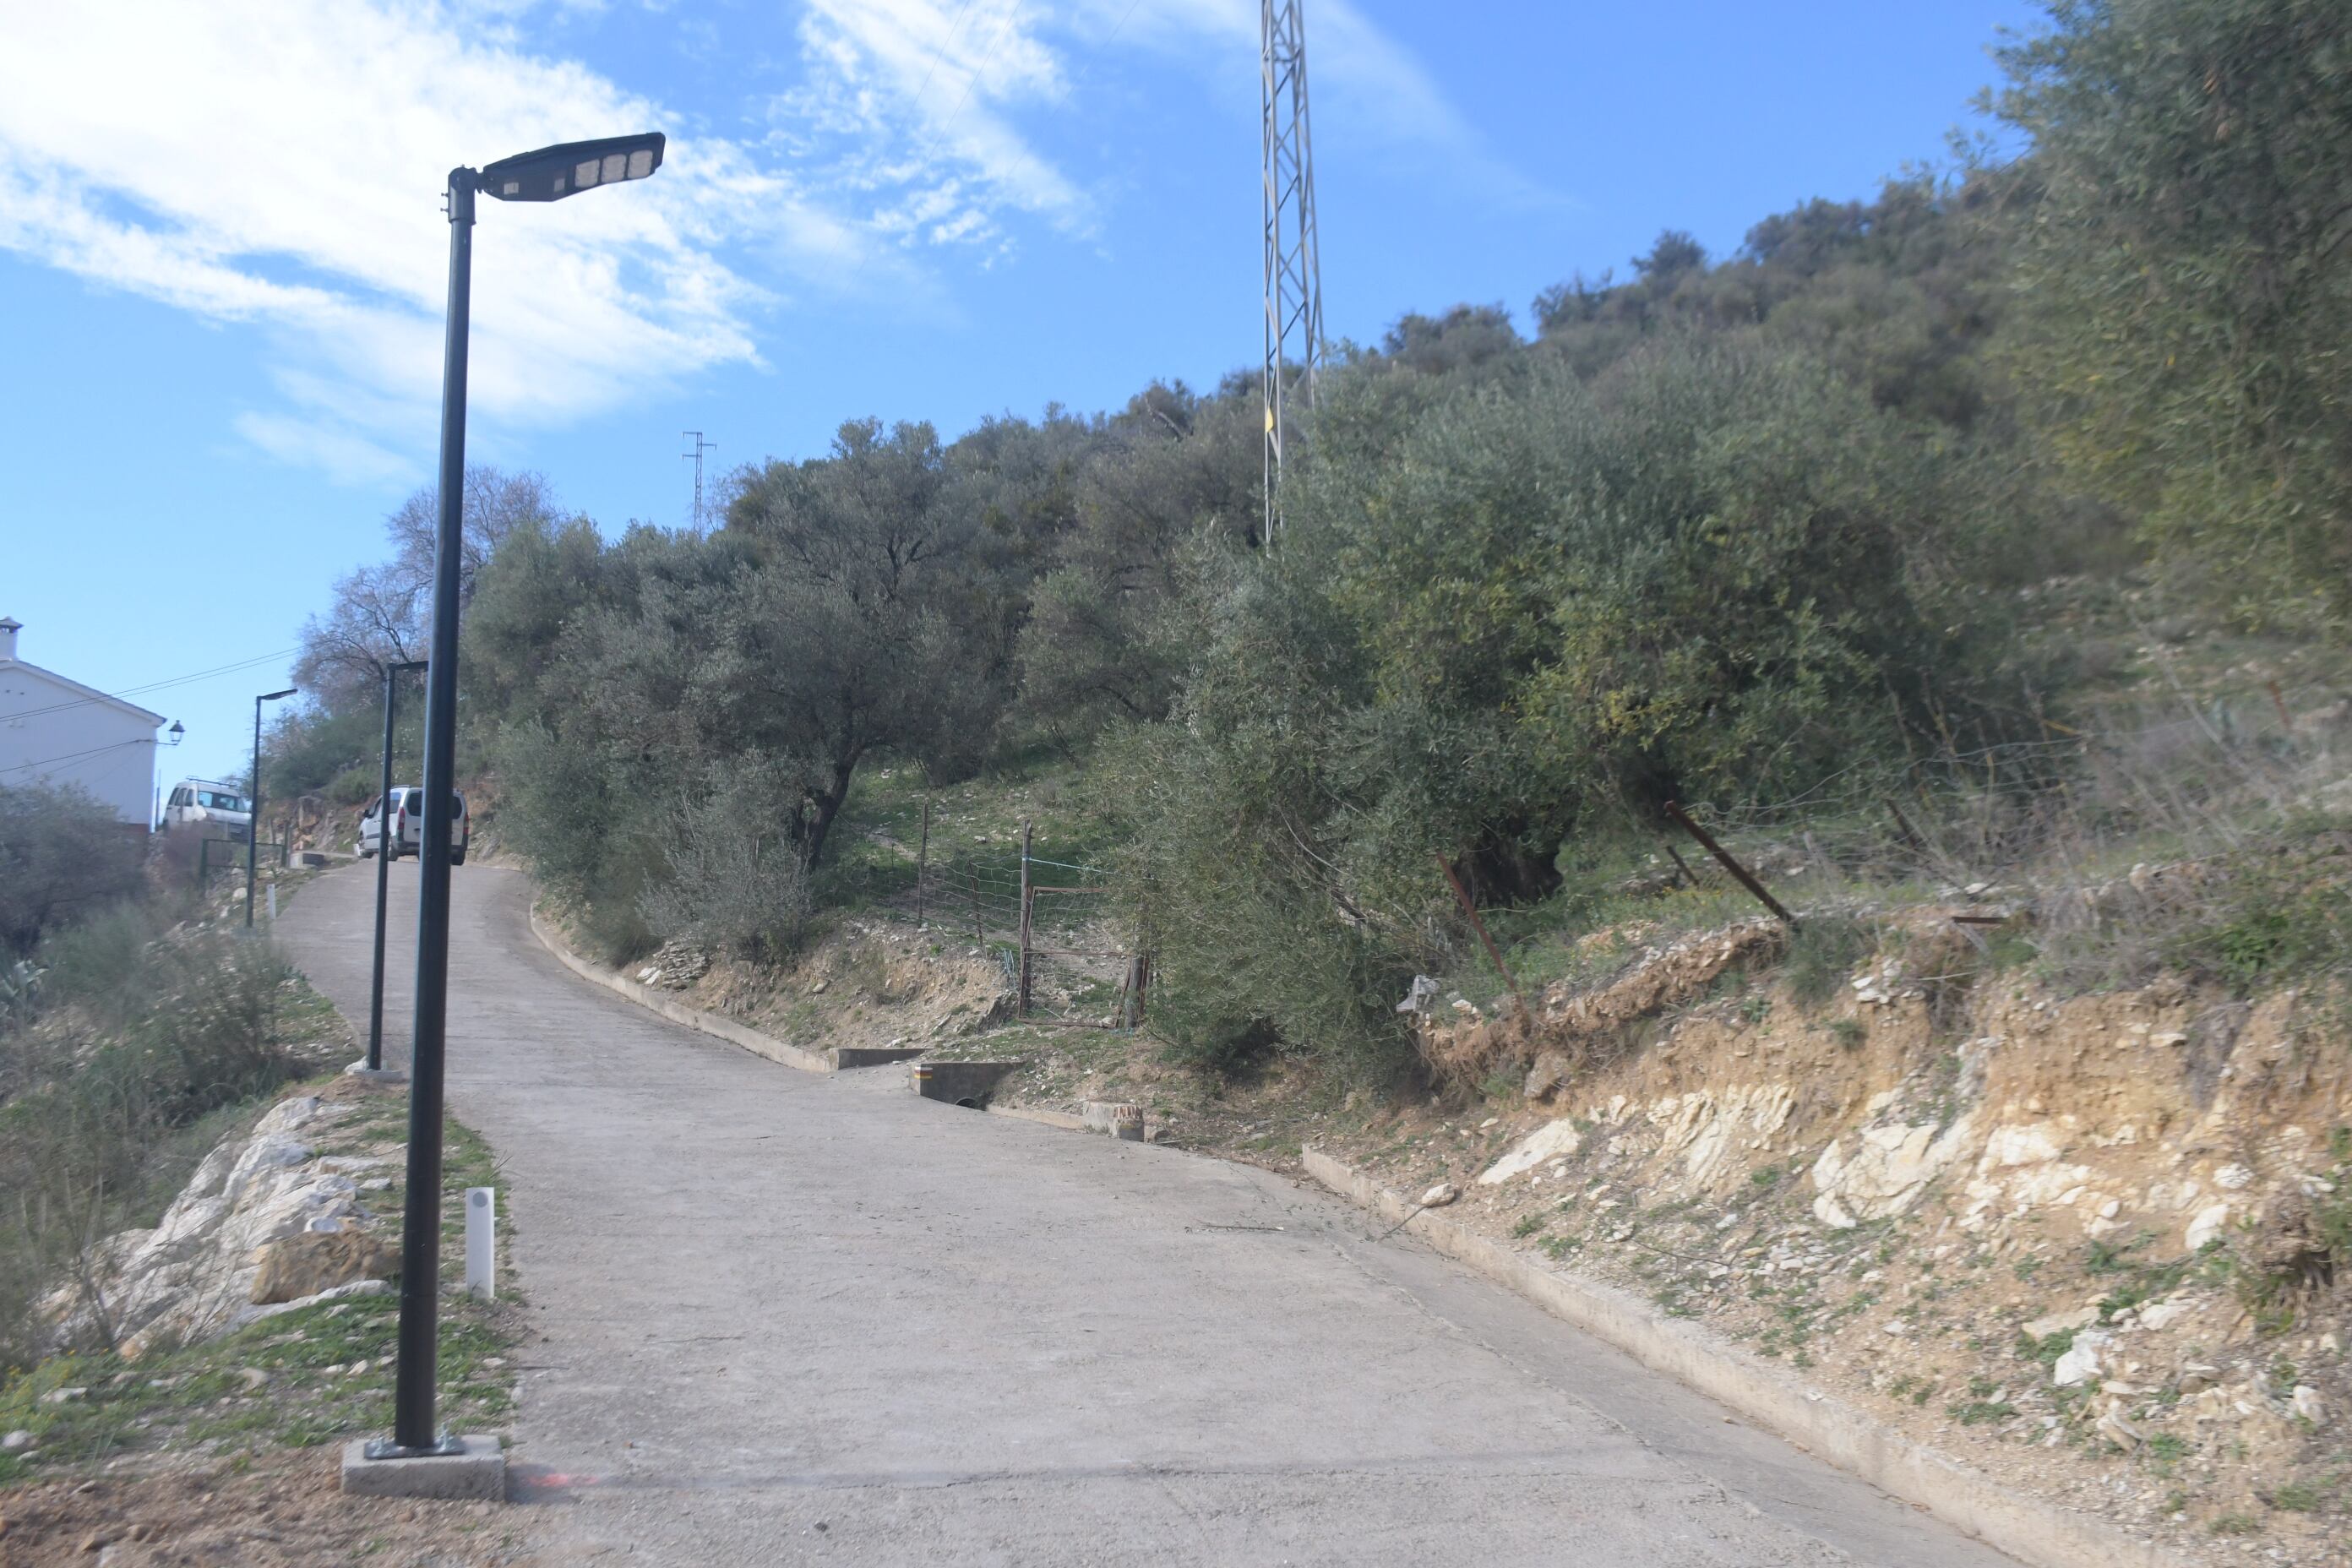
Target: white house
point(58, 732)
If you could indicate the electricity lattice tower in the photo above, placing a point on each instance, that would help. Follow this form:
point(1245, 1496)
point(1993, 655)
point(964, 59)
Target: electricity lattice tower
point(701, 446)
point(1294, 270)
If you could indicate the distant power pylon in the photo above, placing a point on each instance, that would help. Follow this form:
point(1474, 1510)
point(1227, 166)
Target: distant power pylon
point(1294, 268)
point(701, 446)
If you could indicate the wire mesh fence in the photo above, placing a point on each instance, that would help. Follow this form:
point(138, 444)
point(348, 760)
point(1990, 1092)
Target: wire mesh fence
point(1985, 831)
point(1056, 927)
point(2193, 776)
point(2099, 833)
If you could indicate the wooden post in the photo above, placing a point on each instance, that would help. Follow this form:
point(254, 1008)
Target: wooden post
point(1730, 865)
point(922, 861)
point(1021, 1003)
point(979, 932)
point(1480, 927)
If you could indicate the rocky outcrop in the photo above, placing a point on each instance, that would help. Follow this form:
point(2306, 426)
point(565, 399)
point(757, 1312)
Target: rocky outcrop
point(1883, 1170)
point(675, 966)
point(199, 1270)
point(303, 1265)
point(2094, 1242)
point(1573, 1028)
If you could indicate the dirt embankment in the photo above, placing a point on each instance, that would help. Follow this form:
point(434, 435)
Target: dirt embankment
point(2099, 1246)
point(865, 983)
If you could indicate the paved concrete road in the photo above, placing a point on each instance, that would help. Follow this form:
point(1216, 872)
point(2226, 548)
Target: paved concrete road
point(796, 1318)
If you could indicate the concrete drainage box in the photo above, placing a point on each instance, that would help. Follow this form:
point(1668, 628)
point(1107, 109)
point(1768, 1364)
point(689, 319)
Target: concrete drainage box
point(961, 1083)
point(847, 1057)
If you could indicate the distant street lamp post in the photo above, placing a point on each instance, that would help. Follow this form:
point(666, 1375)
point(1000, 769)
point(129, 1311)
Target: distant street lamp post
point(549, 174)
point(383, 842)
point(177, 733)
point(253, 806)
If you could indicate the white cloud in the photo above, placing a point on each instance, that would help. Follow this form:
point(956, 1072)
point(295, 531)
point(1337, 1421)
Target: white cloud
point(346, 457)
point(278, 164)
point(1370, 95)
point(251, 161)
point(907, 105)
point(913, 106)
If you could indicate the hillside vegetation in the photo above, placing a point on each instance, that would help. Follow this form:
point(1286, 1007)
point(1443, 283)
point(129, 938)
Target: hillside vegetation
point(1993, 527)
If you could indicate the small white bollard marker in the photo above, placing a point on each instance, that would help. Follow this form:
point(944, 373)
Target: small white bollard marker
point(273, 900)
point(482, 1242)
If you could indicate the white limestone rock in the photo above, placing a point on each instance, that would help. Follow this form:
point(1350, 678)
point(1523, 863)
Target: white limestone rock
point(1552, 1141)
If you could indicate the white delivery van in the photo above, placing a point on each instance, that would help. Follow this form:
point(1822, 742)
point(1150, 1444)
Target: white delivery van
point(405, 807)
point(208, 808)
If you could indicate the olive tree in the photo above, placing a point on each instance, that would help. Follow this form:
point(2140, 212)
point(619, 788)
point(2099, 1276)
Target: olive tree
point(2186, 278)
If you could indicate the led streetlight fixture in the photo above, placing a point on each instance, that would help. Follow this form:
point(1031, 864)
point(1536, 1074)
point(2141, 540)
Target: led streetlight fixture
point(553, 174)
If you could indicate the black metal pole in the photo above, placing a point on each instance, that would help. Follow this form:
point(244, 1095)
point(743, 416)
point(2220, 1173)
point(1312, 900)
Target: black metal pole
point(391, 672)
point(383, 887)
point(253, 816)
point(413, 1425)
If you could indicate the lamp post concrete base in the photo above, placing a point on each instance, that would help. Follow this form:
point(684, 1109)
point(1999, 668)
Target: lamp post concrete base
point(476, 1473)
point(360, 1069)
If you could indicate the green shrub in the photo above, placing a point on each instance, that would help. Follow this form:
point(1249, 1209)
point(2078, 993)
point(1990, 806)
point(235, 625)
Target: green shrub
point(1821, 954)
point(63, 858)
point(736, 880)
point(141, 1032)
point(2279, 913)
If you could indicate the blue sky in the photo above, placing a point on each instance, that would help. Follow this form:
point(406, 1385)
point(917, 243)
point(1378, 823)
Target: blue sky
point(224, 257)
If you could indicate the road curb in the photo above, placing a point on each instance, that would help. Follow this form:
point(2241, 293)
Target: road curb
point(677, 1012)
point(1060, 1118)
point(2036, 1533)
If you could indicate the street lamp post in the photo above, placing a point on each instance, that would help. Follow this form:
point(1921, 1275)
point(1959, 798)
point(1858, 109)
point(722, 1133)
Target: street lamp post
point(178, 732)
point(549, 174)
point(253, 806)
point(383, 842)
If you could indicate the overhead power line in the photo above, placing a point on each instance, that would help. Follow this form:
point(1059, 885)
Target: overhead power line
point(76, 756)
point(129, 691)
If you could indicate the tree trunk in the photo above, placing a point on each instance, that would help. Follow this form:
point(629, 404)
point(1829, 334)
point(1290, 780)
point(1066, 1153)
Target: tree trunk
point(1503, 870)
point(825, 805)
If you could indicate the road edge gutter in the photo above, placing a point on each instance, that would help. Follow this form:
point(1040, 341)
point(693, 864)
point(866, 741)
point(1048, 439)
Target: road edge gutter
point(677, 1012)
point(2037, 1533)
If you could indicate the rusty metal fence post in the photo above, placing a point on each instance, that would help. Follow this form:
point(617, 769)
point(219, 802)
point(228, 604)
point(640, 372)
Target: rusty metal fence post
point(1723, 855)
point(922, 861)
point(1022, 1006)
point(1480, 927)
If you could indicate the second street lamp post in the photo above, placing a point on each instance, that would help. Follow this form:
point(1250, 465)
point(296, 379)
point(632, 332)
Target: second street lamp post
point(549, 174)
point(383, 845)
point(253, 806)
